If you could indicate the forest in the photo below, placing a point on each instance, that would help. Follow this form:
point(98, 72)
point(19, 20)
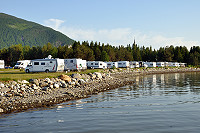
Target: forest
point(97, 51)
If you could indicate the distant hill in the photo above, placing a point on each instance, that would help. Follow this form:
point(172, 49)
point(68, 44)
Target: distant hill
point(14, 30)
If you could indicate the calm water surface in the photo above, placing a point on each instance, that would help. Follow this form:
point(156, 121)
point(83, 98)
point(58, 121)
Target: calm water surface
point(162, 103)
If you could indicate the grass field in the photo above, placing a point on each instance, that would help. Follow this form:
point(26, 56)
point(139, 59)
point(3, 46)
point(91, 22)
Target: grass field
point(17, 74)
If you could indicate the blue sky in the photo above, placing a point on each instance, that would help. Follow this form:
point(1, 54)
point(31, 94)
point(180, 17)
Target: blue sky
point(155, 23)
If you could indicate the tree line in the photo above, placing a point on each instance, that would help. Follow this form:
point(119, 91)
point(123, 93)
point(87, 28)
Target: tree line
point(97, 51)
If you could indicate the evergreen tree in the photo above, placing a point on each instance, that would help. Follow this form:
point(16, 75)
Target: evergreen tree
point(104, 56)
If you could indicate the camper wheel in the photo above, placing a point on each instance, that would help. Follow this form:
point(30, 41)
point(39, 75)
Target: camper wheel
point(27, 71)
point(46, 70)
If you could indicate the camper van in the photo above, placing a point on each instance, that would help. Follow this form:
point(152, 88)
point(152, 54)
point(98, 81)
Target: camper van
point(134, 64)
point(150, 64)
point(75, 64)
point(173, 64)
point(2, 65)
point(21, 64)
point(160, 64)
point(112, 64)
point(123, 64)
point(96, 64)
point(45, 65)
point(183, 64)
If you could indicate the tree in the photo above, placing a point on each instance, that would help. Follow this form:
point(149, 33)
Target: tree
point(104, 56)
point(15, 53)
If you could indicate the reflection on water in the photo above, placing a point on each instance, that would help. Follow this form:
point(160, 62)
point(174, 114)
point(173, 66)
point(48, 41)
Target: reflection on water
point(153, 104)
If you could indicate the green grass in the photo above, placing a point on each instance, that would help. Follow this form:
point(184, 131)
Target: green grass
point(17, 74)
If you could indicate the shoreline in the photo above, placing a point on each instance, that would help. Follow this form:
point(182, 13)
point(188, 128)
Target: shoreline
point(38, 93)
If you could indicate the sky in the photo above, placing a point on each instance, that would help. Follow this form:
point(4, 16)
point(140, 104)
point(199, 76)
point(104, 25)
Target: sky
point(155, 23)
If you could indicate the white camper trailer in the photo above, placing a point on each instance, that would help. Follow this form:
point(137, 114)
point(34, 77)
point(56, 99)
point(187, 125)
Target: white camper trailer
point(45, 65)
point(22, 64)
point(166, 64)
point(160, 64)
point(150, 64)
point(96, 64)
point(112, 64)
point(123, 64)
point(2, 64)
point(75, 64)
point(173, 64)
point(183, 64)
point(134, 64)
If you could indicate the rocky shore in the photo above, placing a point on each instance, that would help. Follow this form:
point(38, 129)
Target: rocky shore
point(23, 95)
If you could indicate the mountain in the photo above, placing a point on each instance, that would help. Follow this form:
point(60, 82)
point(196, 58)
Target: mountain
point(14, 30)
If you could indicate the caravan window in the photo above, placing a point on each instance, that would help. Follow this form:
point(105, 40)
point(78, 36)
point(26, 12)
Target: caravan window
point(91, 63)
point(71, 61)
point(97, 64)
point(36, 63)
point(100, 64)
point(42, 63)
point(51, 62)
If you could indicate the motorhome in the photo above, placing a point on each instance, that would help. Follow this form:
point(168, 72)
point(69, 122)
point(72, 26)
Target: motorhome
point(112, 64)
point(2, 64)
point(173, 64)
point(160, 64)
point(123, 64)
point(96, 64)
point(45, 65)
point(150, 64)
point(166, 64)
point(183, 64)
point(134, 64)
point(22, 64)
point(75, 64)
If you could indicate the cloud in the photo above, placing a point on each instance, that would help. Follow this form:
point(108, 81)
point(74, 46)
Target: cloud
point(119, 36)
point(53, 23)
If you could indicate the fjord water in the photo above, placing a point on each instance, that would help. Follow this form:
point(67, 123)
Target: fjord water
point(162, 103)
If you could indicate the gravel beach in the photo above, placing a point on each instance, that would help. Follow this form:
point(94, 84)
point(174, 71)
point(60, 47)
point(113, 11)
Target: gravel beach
point(36, 93)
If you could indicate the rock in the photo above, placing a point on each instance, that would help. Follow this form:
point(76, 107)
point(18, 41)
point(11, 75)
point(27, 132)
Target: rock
point(73, 80)
point(77, 84)
point(4, 89)
point(23, 82)
point(92, 76)
point(19, 94)
point(51, 86)
point(13, 82)
point(57, 79)
point(64, 85)
point(56, 85)
point(23, 89)
point(65, 78)
point(98, 75)
point(81, 81)
point(1, 110)
point(45, 88)
point(9, 95)
point(34, 81)
point(35, 87)
point(72, 83)
point(1, 85)
point(85, 76)
point(76, 75)
point(47, 80)
point(43, 84)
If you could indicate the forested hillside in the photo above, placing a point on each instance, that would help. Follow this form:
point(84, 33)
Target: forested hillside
point(18, 31)
point(97, 51)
